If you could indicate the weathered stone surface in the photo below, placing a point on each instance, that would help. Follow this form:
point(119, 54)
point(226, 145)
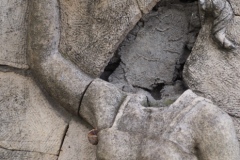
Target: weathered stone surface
point(92, 30)
point(214, 73)
point(189, 129)
point(118, 145)
point(146, 5)
point(76, 145)
point(59, 77)
point(150, 59)
point(20, 155)
point(170, 93)
point(236, 4)
point(87, 33)
point(28, 121)
point(100, 104)
point(13, 33)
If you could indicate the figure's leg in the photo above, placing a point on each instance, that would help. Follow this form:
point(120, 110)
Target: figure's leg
point(222, 14)
point(221, 38)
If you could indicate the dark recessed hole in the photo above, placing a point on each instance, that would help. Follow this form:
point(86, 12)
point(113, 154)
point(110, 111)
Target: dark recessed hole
point(111, 67)
point(179, 66)
point(156, 91)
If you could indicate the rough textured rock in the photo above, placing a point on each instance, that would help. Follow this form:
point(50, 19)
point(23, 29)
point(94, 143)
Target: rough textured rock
point(214, 73)
point(236, 4)
point(76, 145)
point(146, 5)
point(149, 53)
point(13, 33)
point(173, 90)
point(28, 121)
point(20, 155)
point(92, 30)
point(191, 128)
point(100, 104)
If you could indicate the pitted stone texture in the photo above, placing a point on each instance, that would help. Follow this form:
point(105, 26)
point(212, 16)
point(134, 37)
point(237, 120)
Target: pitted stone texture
point(13, 33)
point(100, 104)
point(76, 145)
point(150, 59)
point(174, 132)
point(236, 6)
point(214, 73)
point(28, 121)
point(22, 155)
point(92, 30)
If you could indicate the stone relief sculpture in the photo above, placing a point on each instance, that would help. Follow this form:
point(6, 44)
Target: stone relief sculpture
point(47, 49)
point(185, 130)
point(222, 13)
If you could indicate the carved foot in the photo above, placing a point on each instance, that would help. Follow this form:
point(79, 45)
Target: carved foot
point(223, 41)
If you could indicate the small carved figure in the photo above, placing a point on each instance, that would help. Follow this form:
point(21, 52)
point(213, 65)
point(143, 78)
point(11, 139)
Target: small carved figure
point(222, 12)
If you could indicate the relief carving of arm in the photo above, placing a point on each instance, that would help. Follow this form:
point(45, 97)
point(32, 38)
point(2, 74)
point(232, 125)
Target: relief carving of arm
point(58, 76)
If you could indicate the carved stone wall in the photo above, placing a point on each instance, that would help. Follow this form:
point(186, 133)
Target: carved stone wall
point(53, 53)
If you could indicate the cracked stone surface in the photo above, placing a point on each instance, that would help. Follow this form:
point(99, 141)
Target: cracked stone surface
point(28, 121)
point(76, 145)
point(214, 73)
point(150, 51)
point(20, 155)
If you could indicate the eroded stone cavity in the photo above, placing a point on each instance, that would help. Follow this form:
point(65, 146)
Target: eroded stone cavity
point(153, 53)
